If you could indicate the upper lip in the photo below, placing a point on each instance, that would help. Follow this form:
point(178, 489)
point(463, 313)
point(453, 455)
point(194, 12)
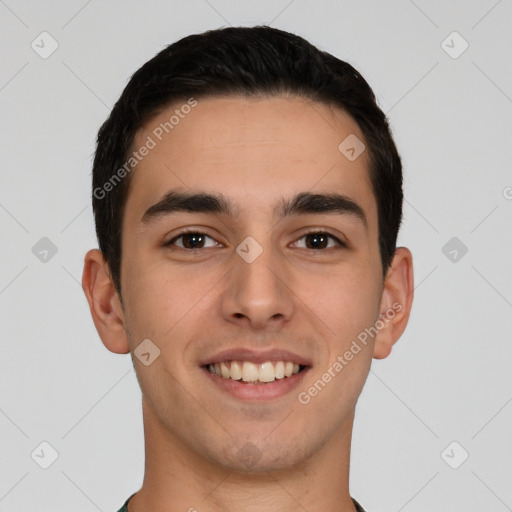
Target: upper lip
point(245, 354)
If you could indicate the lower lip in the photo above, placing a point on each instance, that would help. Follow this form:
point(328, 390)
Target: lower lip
point(256, 392)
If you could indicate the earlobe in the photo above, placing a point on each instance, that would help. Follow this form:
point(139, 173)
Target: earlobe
point(396, 303)
point(104, 303)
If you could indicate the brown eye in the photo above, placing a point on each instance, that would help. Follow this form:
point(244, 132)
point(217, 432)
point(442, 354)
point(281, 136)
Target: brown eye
point(191, 240)
point(320, 240)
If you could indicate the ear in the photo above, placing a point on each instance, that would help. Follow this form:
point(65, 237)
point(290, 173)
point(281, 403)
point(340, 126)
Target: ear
point(106, 309)
point(396, 302)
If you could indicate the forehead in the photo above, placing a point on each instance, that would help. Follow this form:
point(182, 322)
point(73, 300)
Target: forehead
point(254, 150)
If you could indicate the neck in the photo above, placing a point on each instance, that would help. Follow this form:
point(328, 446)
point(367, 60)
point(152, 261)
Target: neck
point(178, 479)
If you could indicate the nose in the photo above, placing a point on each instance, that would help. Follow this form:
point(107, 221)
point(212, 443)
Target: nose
point(258, 293)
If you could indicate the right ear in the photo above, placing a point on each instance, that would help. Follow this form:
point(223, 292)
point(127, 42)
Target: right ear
point(106, 309)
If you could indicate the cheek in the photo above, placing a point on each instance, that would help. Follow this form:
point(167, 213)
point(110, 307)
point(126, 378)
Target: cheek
point(346, 300)
point(159, 307)
point(347, 303)
point(164, 302)
point(151, 299)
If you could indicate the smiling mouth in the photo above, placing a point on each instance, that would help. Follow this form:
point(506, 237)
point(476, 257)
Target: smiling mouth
point(251, 373)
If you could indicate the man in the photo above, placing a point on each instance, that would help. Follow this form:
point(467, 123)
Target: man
point(247, 196)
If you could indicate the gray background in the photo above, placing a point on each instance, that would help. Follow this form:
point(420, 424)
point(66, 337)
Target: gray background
point(448, 378)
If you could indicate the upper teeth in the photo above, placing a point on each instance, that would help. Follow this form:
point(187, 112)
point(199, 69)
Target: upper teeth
point(250, 372)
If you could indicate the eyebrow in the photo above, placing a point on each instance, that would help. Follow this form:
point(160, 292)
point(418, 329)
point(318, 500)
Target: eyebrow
point(303, 203)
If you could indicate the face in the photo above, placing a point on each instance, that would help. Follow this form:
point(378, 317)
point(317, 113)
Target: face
point(249, 283)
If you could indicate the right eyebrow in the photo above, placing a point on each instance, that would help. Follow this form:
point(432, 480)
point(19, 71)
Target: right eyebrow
point(175, 201)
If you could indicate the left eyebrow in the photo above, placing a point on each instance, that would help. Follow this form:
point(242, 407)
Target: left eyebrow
point(306, 203)
point(303, 203)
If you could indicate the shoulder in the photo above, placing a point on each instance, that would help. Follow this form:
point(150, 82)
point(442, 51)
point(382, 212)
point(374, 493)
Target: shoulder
point(124, 508)
point(359, 508)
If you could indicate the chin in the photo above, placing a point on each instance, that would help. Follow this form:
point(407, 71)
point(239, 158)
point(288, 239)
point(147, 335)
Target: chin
point(260, 457)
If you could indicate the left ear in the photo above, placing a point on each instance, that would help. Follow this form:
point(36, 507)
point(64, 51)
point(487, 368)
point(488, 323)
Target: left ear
point(396, 303)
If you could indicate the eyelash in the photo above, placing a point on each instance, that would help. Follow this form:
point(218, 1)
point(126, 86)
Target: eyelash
point(171, 242)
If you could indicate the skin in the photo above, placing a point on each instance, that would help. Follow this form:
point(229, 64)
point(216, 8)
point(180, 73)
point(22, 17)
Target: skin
point(311, 301)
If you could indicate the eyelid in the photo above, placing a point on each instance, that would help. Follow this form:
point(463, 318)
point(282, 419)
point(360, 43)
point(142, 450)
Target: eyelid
point(322, 231)
point(186, 232)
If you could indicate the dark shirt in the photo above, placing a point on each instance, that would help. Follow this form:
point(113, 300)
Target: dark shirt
point(124, 508)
